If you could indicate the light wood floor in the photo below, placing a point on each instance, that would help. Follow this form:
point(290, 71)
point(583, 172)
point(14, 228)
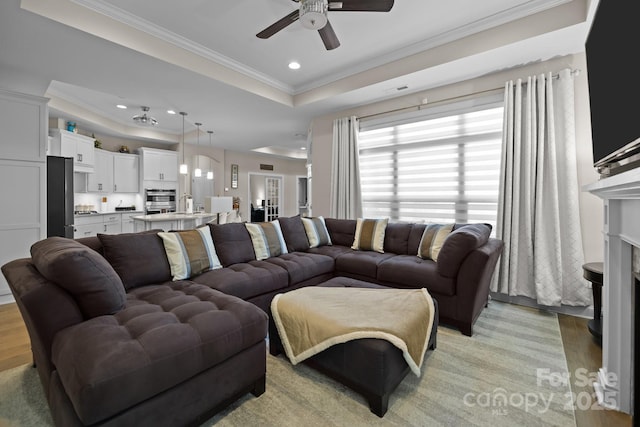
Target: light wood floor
point(581, 350)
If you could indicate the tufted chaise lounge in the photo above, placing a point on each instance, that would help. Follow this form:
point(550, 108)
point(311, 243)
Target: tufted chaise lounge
point(173, 354)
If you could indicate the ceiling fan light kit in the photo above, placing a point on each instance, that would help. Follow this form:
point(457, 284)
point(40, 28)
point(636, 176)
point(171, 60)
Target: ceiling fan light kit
point(143, 119)
point(313, 13)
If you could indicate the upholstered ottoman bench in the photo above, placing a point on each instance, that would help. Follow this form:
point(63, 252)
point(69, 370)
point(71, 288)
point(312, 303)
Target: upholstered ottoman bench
point(372, 367)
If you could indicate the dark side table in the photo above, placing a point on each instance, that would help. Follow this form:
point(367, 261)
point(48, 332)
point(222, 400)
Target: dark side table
point(593, 273)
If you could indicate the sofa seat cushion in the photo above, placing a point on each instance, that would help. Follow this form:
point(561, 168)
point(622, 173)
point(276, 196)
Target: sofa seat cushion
point(302, 266)
point(165, 335)
point(412, 271)
point(361, 263)
point(246, 279)
point(333, 251)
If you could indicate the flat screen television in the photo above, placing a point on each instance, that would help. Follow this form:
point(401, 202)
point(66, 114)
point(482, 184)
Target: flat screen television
point(614, 85)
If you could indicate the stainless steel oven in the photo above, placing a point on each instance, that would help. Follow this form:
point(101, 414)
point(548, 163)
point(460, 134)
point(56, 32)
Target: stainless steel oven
point(159, 201)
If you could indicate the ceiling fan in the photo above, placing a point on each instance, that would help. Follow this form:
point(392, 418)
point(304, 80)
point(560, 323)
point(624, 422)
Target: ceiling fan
point(313, 15)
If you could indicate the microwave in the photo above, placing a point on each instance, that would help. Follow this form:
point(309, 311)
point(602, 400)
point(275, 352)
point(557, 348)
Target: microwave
point(159, 201)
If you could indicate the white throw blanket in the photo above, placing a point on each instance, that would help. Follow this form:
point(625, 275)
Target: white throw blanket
point(312, 319)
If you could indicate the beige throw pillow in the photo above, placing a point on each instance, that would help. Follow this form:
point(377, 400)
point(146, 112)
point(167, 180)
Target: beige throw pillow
point(370, 234)
point(316, 230)
point(267, 239)
point(432, 239)
point(190, 252)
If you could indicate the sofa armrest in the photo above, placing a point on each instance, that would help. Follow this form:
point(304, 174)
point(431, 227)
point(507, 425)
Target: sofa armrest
point(45, 307)
point(474, 280)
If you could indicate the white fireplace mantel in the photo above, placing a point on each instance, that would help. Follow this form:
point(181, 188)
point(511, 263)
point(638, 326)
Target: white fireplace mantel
point(621, 195)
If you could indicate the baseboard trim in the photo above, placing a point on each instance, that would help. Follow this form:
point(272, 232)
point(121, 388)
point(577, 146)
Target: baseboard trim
point(6, 299)
point(586, 312)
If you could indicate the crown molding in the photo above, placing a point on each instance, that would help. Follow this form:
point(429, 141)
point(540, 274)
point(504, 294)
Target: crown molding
point(495, 20)
point(134, 21)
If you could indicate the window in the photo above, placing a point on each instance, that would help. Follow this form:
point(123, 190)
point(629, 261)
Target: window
point(439, 164)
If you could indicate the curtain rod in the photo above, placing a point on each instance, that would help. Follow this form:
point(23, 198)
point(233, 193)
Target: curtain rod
point(574, 72)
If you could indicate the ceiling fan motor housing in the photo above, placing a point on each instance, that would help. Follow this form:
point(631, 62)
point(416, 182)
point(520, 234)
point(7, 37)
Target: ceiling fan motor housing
point(313, 13)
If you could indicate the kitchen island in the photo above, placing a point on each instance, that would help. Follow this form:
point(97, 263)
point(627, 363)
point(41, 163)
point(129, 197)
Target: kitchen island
point(172, 221)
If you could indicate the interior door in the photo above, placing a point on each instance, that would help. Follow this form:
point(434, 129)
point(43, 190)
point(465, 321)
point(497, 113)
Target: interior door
point(273, 190)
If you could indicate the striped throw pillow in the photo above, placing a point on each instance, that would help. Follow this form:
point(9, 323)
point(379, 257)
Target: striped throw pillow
point(433, 237)
point(190, 252)
point(267, 239)
point(370, 234)
point(316, 230)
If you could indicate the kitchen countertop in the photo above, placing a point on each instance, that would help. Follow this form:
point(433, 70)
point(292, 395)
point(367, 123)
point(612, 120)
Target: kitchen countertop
point(107, 213)
point(174, 216)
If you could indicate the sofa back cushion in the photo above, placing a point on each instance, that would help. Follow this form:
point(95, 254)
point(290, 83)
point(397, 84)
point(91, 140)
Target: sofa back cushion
point(92, 242)
point(138, 258)
point(396, 238)
point(233, 243)
point(83, 272)
point(341, 231)
point(413, 242)
point(459, 244)
point(294, 233)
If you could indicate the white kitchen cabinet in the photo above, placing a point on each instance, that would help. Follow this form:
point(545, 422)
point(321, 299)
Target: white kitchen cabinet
point(69, 144)
point(112, 223)
point(128, 223)
point(23, 172)
point(126, 173)
point(159, 168)
point(113, 173)
point(87, 226)
point(91, 225)
point(101, 180)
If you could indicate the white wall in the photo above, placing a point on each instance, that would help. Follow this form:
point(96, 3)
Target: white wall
point(591, 208)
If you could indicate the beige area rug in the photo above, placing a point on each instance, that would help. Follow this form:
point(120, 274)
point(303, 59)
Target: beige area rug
point(498, 377)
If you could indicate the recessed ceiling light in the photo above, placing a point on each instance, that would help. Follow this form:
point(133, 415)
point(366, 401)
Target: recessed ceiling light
point(303, 148)
point(170, 112)
point(122, 107)
point(294, 65)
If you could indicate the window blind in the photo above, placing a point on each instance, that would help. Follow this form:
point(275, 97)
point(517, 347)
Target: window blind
point(437, 165)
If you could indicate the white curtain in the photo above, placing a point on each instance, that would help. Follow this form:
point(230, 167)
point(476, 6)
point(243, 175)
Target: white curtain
point(538, 214)
point(346, 199)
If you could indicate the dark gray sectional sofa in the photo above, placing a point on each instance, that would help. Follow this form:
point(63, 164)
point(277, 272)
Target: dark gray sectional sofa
point(117, 342)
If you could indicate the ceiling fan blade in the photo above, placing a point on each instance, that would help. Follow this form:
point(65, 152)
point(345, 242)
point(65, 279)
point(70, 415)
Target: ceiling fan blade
point(279, 25)
point(329, 37)
point(361, 5)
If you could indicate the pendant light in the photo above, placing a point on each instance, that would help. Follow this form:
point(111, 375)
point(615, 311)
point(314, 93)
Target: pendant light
point(183, 167)
point(210, 172)
point(198, 172)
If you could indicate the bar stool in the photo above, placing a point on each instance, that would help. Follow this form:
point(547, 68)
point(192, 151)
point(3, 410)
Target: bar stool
point(593, 273)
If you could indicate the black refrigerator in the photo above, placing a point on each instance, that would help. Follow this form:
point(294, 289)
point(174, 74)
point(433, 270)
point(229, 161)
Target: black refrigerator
point(60, 196)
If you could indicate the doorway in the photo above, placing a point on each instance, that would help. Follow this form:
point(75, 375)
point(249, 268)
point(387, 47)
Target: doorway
point(265, 196)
